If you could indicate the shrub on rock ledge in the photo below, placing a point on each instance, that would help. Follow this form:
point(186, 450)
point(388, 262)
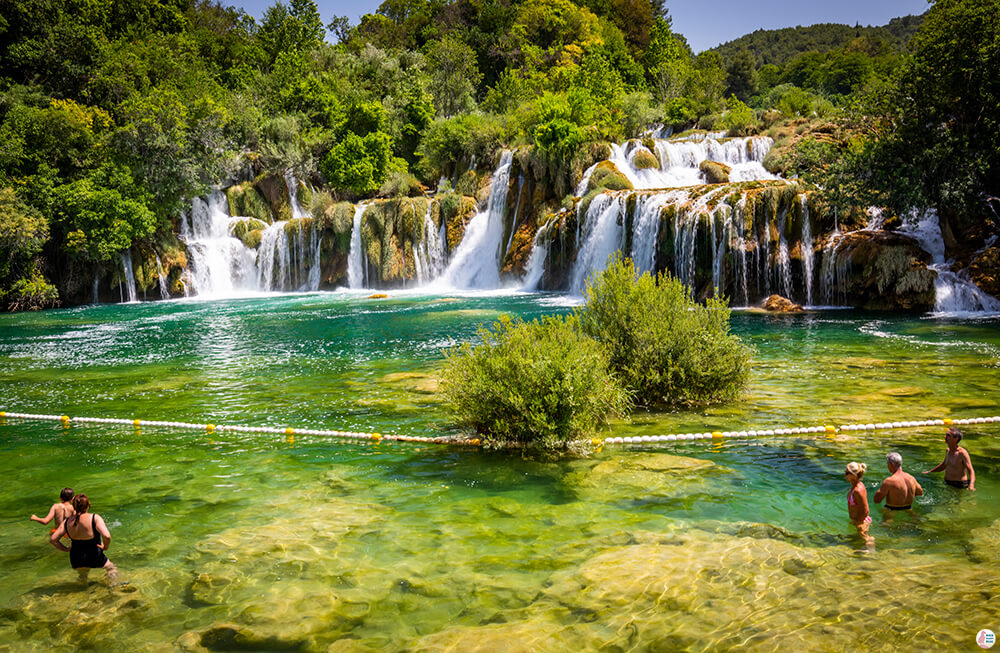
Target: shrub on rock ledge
point(540, 384)
point(663, 346)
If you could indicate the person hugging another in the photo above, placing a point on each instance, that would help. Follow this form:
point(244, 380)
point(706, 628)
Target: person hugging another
point(857, 501)
point(90, 539)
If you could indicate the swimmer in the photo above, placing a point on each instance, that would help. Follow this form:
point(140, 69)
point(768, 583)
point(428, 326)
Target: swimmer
point(59, 511)
point(90, 539)
point(857, 502)
point(898, 489)
point(957, 465)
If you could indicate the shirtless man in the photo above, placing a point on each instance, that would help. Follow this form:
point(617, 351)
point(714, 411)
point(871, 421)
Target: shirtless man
point(957, 465)
point(899, 489)
point(59, 511)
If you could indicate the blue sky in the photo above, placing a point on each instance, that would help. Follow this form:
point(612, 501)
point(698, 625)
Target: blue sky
point(705, 23)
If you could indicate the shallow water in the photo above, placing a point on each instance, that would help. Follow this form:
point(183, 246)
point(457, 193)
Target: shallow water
point(233, 541)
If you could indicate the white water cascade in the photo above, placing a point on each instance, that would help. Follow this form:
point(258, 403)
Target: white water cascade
point(476, 262)
point(603, 235)
point(952, 292)
point(355, 257)
point(429, 254)
point(806, 247)
point(219, 264)
point(288, 259)
point(535, 267)
point(128, 278)
point(162, 279)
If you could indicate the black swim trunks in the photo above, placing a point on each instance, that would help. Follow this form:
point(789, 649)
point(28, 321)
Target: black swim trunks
point(85, 553)
point(906, 507)
point(959, 484)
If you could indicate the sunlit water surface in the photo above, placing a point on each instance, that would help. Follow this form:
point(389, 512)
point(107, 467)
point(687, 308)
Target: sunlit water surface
point(256, 542)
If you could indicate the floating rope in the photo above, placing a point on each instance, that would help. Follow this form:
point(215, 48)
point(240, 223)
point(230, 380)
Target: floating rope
point(66, 421)
point(828, 429)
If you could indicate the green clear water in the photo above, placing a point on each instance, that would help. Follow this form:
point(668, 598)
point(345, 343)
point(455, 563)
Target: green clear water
point(232, 541)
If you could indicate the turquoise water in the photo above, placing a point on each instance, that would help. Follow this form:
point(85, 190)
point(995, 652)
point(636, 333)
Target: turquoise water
point(238, 541)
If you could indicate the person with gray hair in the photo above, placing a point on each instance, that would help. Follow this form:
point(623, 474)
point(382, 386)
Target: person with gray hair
point(898, 489)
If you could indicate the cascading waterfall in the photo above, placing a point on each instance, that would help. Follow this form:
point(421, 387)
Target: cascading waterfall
point(476, 262)
point(741, 244)
point(603, 235)
point(535, 267)
point(646, 229)
point(161, 278)
point(834, 268)
point(219, 264)
point(429, 254)
point(784, 264)
point(806, 246)
point(128, 277)
point(355, 257)
point(952, 292)
point(289, 261)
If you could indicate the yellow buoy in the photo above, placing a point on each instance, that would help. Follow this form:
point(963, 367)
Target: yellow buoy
point(948, 422)
point(716, 434)
point(475, 441)
point(831, 429)
point(65, 418)
point(597, 442)
point(378, 295)
point(289, 431)
point(3, 413)
point(208, 427)
point(376, 437)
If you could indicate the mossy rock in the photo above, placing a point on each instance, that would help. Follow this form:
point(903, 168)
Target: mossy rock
point(715, 172)
point(607, 176)
point(985, 271)
point(248, 230)
point(457, 211)
point(244, 200)
point(468, 183)
point(275, 192)
point(645, 159)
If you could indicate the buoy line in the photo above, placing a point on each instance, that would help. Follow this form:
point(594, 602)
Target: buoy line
point(828, 430)
point(66, 421)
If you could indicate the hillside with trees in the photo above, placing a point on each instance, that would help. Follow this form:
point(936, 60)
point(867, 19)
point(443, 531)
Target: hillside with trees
point(114, 116)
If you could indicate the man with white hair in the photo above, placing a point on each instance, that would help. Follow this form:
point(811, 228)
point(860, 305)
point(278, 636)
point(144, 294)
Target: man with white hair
point(899, 488)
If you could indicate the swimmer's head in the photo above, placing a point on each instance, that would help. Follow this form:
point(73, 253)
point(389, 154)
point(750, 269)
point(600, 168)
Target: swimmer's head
point(81, 503)
point(66, 494)
point(955, 433)
point(856, 469)
point(894, 460)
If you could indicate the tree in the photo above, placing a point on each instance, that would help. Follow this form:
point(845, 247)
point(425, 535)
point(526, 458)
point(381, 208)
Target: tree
point(358, 164)
point(296, 27)
point(741, 75)
point(454, 76)
point(23, 232)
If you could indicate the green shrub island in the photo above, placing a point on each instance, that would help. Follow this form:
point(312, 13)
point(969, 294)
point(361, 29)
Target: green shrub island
point(662, 345)
point(546, 383)
point(539, 384)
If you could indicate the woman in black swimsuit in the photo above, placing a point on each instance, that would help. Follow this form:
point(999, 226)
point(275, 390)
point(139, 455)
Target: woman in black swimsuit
point(90, 539)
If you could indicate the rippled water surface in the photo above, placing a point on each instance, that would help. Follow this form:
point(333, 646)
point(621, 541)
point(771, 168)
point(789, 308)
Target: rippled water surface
point(231, 541)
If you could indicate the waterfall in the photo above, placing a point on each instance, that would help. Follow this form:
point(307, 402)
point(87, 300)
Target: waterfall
point(128, 277)
point(355, 258)
point(476, 262)
point(806, 247)
point(646, 229)
point(273, 260)
point(784, 264)
point(162, 278)
point(720, 246)
point(218, 262)
point(535, 267)
point(603, 235)
point(741, 205)
point(953, 293)
point(833, 271)
point(429, 254)
point(97, 281)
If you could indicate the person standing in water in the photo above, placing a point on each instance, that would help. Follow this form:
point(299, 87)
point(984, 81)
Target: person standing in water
point(90, 540)
point(59, 511)
point(898, 489)
point(957, 465)
point(857, 501)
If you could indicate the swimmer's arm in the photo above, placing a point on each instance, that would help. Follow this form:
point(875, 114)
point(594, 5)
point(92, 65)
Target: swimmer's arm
point(918, 491)
point(972, 472)
point(882, 491)
point(938, 468)
point(56, 535)
point(47, 518)
point(102, 528)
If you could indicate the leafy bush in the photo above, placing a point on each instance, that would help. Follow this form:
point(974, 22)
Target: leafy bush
point(665, 347)
point(540, 384)
point(739, 119)
point(31, 294)
point(358, 164)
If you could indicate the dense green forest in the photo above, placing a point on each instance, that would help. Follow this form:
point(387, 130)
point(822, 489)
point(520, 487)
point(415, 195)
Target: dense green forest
point(114, 115)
